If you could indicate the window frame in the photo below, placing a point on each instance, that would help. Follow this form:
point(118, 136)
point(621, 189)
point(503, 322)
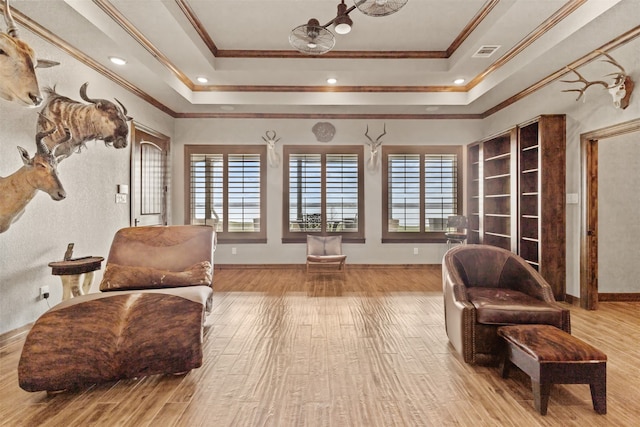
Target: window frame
point(421, 236)
point(301, 237)
point(226, 150)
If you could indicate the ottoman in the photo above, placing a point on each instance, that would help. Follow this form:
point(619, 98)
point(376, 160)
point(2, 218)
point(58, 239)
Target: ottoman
point(551, 356)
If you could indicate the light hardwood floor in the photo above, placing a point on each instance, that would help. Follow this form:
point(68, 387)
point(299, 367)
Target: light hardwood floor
point(368, 350)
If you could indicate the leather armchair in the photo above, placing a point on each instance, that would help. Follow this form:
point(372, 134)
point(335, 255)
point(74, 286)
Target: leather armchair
point(485, 287)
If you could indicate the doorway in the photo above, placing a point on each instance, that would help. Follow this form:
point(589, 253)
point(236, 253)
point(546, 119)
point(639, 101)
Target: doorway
point(589, 213)
point(149, 177)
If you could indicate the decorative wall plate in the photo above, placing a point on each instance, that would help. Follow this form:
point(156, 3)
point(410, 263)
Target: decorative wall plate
point(324, 131)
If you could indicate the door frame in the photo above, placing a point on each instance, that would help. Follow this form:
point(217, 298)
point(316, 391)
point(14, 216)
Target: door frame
point(589, 211)
point(135, 126)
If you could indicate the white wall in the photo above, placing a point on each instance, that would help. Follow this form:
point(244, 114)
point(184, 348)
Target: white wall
point(88, 216)
point(293, 132)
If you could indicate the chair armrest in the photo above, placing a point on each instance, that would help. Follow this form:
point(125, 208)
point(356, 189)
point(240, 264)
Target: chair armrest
point(459, 313)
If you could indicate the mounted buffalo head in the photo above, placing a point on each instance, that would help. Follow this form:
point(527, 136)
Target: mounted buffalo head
point(100, 119)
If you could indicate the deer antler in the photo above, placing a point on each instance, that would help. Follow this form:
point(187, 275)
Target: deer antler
point(618, 79)
point(270, 138)
point(619, 76)
point(587, 83)
point(377, 141)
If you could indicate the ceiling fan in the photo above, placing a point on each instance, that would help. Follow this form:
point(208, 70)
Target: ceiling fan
point(311, 38)
point(379, 7)
point(315, 39)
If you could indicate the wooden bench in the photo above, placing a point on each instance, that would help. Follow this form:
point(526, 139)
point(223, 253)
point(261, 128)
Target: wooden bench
point(551, 356)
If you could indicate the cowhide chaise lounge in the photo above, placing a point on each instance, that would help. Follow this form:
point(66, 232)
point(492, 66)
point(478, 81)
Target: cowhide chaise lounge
point(147, 319)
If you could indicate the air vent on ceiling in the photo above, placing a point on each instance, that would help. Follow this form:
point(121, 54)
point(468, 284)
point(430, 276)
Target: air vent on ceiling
point(486, 51)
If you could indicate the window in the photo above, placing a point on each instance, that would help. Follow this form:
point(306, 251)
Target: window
point(323, 192)
point(421, 188)
point(226, 188)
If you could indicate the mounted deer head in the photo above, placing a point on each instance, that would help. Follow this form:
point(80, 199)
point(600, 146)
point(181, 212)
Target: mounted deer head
point(620, 88)
point(373, 147)
point(18, 82)
point(272, 155)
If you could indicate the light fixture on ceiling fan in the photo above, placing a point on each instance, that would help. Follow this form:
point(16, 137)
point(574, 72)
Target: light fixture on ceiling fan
point(315, 39)
point(342, 23)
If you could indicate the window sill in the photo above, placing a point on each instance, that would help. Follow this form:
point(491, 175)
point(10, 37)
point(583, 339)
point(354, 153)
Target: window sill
point(436, 237)
point(222, 240)
point(303, 239)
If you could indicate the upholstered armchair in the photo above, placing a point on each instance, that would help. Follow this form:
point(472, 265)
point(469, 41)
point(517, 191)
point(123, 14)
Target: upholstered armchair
point(325, 251)
point(486, 287)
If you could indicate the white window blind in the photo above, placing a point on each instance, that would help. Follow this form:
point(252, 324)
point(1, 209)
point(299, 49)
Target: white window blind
point(152, 175)
point(244, 192)
point(226, 191)
point(342, 192)
point(422, 189)
point(440, 190)
point(305, 192)
point(324, 191)
point(404, 191)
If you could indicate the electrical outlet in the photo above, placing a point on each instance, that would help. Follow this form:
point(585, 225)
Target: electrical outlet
point(234, 251)
point(44, 292)
point(416, 251)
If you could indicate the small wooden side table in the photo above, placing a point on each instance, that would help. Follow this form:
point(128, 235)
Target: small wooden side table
point(70, 272)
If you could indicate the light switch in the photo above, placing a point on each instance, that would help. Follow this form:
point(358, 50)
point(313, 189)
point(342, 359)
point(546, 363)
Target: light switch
point(572, 198)
point(121, 198)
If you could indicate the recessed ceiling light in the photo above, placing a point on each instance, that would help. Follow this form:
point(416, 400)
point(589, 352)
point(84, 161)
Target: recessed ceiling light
point(117, 61)
point(332, 80)
point(458, 81)
point(202, 79)
point(227, 107)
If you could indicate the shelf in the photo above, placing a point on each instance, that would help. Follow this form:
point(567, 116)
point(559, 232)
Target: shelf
point(503, 175)
point(519, 190)
point(505, 236)
point(498, 157)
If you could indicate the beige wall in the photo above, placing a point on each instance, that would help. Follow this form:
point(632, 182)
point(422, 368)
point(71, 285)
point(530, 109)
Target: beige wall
point(238, 131)
point(618, 207)
point(88, 216)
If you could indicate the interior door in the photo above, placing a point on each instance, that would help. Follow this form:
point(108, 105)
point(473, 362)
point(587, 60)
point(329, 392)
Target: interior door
point(149, 177)
point(589, 292)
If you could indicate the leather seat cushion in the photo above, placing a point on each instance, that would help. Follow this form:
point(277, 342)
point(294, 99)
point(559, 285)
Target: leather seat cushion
point(500, 306)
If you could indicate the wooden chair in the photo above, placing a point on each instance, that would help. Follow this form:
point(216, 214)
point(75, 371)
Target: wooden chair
point(456, 231)
point(325, 251)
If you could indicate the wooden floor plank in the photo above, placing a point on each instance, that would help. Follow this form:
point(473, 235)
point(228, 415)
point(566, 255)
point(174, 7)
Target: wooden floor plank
point(283, 348)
